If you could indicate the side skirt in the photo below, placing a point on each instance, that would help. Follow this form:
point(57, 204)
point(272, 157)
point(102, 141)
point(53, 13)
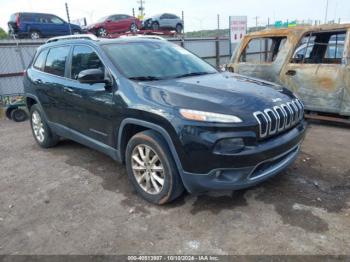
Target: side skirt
point(85, 140)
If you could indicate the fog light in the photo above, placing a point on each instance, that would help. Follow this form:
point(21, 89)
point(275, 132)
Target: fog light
point(229, 146)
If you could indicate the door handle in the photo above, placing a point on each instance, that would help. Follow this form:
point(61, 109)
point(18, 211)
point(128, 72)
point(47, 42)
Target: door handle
point(68, 90)
point(38, 81)
point(291, 73)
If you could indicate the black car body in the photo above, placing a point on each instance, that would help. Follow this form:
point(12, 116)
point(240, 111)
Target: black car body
point(208, 155)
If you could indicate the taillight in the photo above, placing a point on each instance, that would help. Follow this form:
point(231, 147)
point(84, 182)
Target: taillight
point(17, 20)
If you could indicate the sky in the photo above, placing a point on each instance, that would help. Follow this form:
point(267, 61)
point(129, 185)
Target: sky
point(199, 14)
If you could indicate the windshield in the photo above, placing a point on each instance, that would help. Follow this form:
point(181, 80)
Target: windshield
point(102, 19)
point(155, 60)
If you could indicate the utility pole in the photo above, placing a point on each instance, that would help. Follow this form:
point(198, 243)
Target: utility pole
point(68, 18)
point(183, 22)
point(217, 43)
point(326, 16)
point(256, 23)
point(141, 9)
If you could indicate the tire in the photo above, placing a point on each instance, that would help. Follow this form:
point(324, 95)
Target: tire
point(50, 139)
point(102, 32)
point(34, 35)
point(8, 112)
point(19, 115)
point(172, 186)
point(76, 32)
point(178, 28)
point(133, 28)
point(155, 26)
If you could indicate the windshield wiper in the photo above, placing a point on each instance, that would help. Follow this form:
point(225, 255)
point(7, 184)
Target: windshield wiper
point(194, 74)
point(145, 78)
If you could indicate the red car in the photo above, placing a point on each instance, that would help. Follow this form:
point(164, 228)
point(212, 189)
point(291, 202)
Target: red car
point(115, 24)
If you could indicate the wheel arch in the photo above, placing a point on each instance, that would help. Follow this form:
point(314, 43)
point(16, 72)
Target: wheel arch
point(30, 101)
point(33, 100)
point(141, 125)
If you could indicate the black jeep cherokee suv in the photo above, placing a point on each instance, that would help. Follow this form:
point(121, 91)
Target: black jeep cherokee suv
point(175, 121)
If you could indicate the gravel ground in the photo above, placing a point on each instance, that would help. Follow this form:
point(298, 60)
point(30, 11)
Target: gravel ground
point(73, 200)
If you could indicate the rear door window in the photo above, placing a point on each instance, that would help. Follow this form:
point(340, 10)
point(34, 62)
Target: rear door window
point(262, 50)
point(320, 48)
point(55, 20)
point(56, 60)
point(40, 60)
point(84, 58)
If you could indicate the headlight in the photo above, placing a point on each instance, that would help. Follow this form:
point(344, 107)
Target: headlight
point(208, 116)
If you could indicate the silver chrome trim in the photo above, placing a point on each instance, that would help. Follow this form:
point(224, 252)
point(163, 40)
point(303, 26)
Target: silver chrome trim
point(276, 108)
point(271, 132)
point(257, 118)
point(70, 37)
point(290, 106)
point(286, 115)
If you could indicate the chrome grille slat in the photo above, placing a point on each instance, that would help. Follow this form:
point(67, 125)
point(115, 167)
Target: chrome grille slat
point(257, 114)
point(290, 106)
point(274, 120)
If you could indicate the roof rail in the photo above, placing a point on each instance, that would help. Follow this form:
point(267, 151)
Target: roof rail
point(144, 36)
point(70, 37)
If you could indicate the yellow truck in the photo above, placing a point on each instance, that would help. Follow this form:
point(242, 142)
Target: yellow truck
point(313, 62)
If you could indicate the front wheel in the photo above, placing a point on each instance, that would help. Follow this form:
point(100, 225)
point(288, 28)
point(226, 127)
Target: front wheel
point(133, 28)
point(40, 129)
point(155, 26)
point(76, 32)
point(151, 168)
point(102, 32)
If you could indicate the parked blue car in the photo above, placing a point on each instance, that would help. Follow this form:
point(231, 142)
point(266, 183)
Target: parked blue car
point(40, 25)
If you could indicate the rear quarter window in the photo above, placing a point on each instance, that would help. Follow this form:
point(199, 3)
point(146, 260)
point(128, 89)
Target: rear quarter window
point(13, 18)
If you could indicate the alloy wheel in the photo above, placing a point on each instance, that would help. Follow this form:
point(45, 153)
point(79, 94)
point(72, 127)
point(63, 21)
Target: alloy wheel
point(102, 32)
point(34, 35)
point(148, 169)
point(133, 27)
point(38, 127)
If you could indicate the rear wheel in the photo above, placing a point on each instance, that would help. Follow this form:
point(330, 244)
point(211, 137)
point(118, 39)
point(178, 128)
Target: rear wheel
point(34, 35)
point(42, 133)
point(102, 32)
point(18, 115)
point(151, 168)
point(178, 28)
point(155, 26)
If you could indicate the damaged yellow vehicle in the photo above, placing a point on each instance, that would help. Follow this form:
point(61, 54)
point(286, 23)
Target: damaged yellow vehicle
point(314, 62)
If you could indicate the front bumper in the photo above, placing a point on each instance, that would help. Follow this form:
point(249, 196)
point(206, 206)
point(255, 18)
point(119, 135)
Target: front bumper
point(271, 158)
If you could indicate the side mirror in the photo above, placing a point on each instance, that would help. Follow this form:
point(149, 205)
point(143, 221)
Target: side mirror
point(108, 20)
point(92, 76)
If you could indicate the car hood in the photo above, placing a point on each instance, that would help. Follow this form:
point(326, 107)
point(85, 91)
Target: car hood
point(225, 93)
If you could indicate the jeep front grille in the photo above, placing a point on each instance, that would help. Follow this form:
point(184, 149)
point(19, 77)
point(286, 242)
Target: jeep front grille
point(279, 118)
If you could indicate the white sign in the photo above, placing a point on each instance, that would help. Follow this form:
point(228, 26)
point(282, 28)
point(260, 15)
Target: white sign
point(238, 28)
